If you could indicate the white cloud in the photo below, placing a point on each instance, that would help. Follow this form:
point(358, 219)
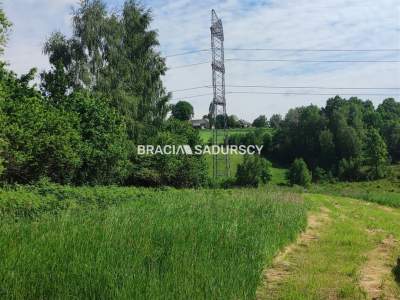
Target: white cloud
point(184, 24)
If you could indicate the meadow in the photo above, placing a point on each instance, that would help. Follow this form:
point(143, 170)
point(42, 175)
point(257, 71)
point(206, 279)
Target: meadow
point(132, 243)
point(206, 134)
point(385, 191)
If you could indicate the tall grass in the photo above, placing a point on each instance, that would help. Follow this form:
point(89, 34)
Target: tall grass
point(384, 192)
point(156, 245)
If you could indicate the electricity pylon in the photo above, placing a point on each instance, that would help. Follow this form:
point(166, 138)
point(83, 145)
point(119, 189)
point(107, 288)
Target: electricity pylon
point(221, 166)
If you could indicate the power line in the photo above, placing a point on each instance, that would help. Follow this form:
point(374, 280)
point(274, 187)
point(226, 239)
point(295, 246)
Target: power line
point(285, 50)
point(313, 50)
point(287, 60)
point(312, 61)
point(192, 88)
point(290, 87)
point(189, 65)
point(313, 94)
point(287, 93)
point(187, 53)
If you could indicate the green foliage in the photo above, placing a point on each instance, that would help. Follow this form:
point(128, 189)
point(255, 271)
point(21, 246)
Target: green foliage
point(260, 122)
point(220, 121)
point(335, 137)
point(182, 111)
point(81, 140)
point(233, 122)
point(389, 112)
point(114, 55)
point(275, 121)
point(105, 148)
point(350, 169)
point(253, 171)
point(130, 243)
point(376, 154)
point(299, 173)
point(175, 170)
point(258, 136)
point(40, 140)
point(384, 191)
point(2, 158)
point(5, 25)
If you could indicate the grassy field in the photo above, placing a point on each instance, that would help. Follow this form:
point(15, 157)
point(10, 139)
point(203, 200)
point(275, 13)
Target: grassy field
point(206, 134)
point(127, 243)
point(332, 266)
point(385, 191)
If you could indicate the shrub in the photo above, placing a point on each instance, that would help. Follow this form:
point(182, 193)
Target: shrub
point(253, 171)
point(182, 171)
point(299, 173)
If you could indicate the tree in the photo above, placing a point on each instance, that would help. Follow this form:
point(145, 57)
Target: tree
point(220, 121)
point(112, 55)
point(105, 147)
point(233, 121)
point(389, 112)
point(375, 154)
point(253, 171)
point(299, 173)
point(327, 147)
point(182, 111)
point(275, 121)
point(350, 169)
point(4, 28)
point(38, 140)
point(260, 121)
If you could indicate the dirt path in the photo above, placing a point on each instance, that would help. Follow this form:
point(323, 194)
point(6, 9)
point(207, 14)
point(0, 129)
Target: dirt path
point(281, 266)
point(347, 251)
point(379, 264)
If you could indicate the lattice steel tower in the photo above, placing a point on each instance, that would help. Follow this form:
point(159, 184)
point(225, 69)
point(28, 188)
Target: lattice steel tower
point(221, 166)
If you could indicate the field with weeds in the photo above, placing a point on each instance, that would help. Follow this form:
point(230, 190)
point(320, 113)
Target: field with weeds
point(384, 192)
point(206, 134)
point(129, 243)
point(351, 255)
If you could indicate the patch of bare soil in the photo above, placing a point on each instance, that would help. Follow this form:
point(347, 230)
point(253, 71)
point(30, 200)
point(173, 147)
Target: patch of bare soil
point(281, 265)
point(378, 266)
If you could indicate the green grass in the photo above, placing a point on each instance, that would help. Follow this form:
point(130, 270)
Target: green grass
point(127, 243)
point(206, 134)
point(385, 191)
point(329, 268)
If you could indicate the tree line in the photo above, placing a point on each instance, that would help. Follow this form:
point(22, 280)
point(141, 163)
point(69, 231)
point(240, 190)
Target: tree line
point(347, 139)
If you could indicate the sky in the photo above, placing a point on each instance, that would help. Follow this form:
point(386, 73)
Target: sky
point(183, 25)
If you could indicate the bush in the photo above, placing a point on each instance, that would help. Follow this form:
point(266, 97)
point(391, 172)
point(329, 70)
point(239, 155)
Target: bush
point(299, 173)
point(253, 171)
point(39, 140)
point(105, 146)
point(182, 171)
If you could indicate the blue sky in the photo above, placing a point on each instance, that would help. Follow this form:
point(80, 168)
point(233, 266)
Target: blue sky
point(293, 24)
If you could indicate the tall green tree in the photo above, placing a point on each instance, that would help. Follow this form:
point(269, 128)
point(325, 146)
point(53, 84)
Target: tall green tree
point(182, 111)
point(5, 26)
point(389, 112)
point(376, 155)
point(299, 173)
point(113, 55)
point(260, 121)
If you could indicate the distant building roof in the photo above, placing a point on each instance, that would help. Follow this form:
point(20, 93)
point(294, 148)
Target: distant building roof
point(200, 122)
